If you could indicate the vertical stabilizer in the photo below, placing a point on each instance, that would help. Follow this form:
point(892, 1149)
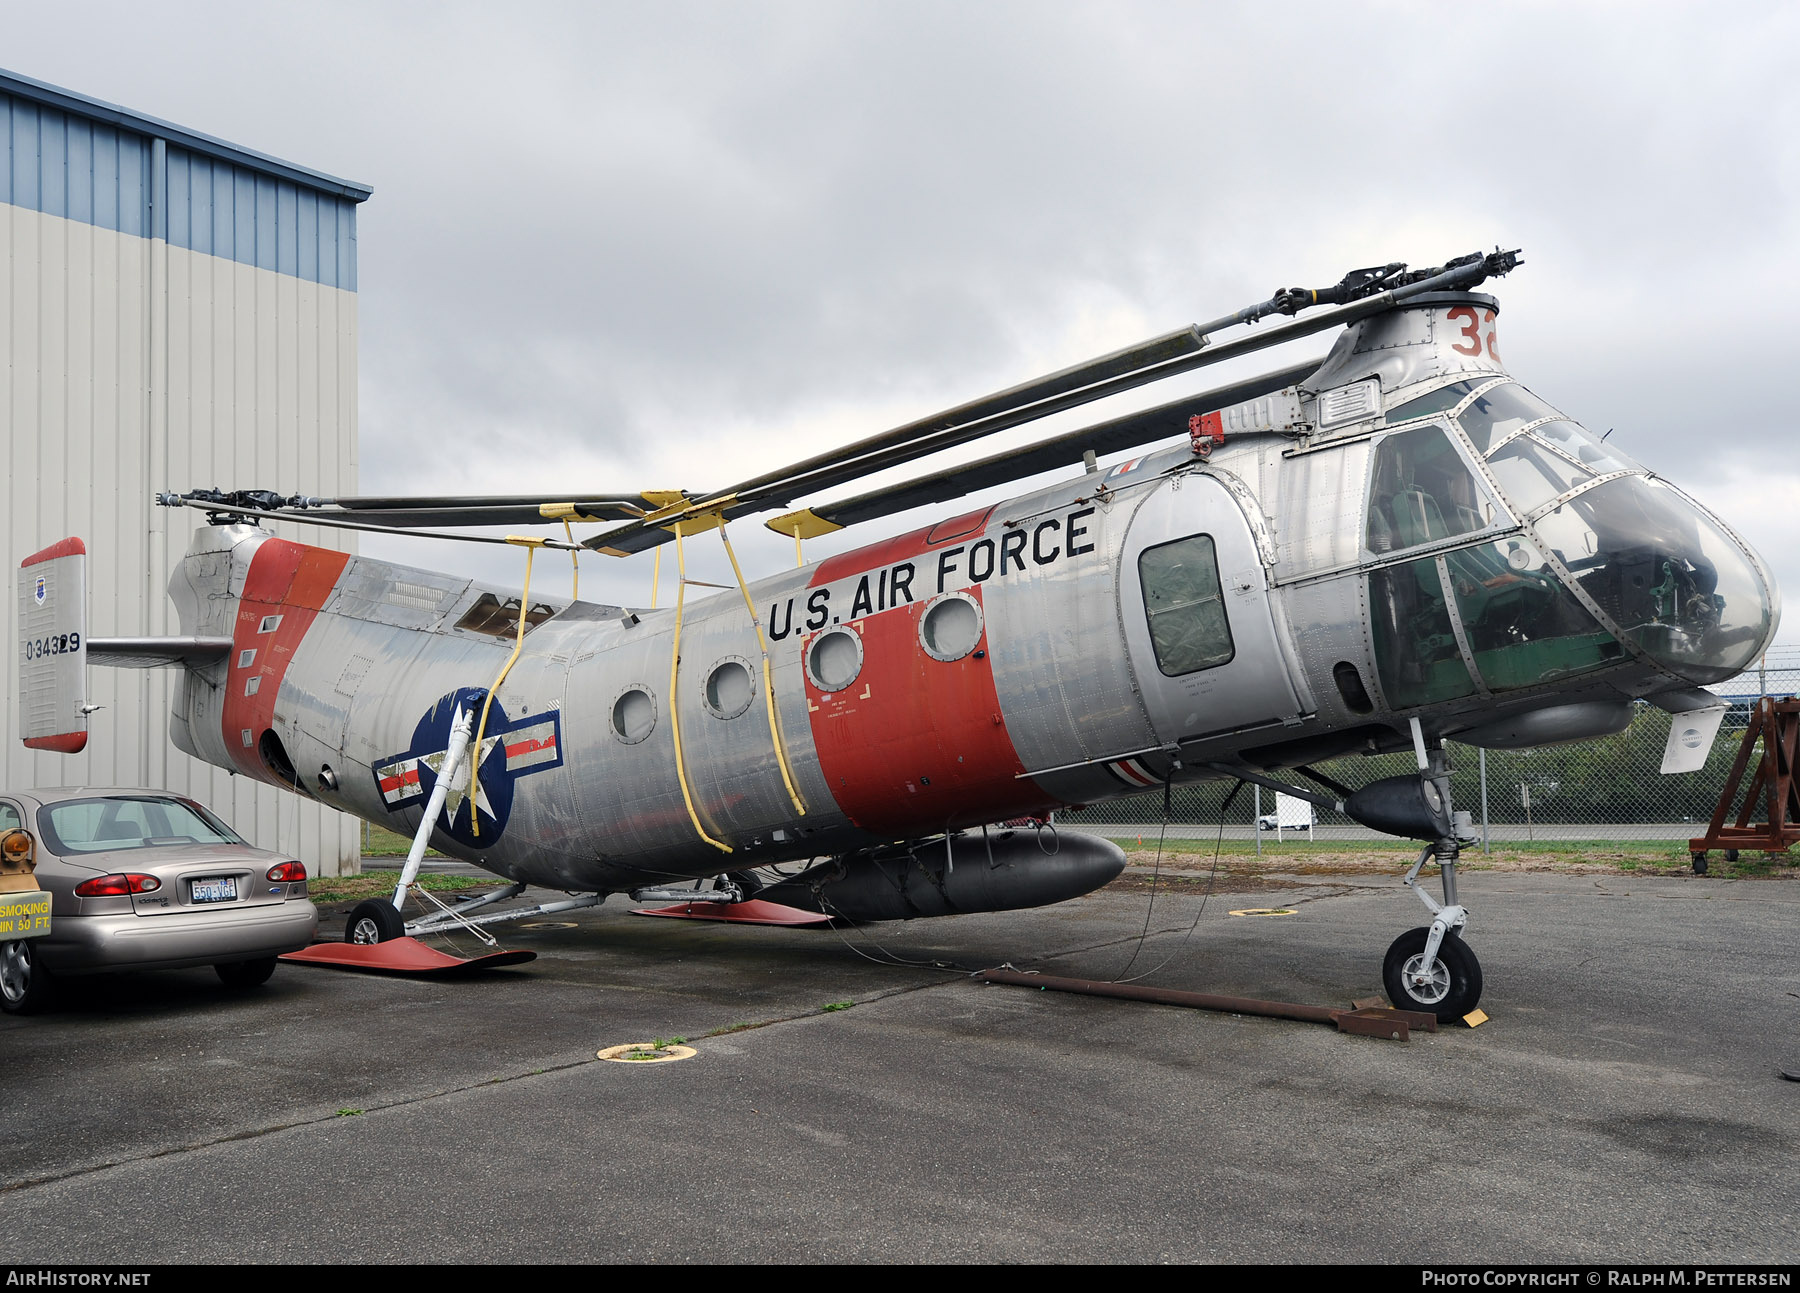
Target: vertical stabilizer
point(53, 648)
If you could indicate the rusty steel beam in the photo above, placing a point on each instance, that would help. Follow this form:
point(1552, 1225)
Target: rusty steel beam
point(1365, 1021)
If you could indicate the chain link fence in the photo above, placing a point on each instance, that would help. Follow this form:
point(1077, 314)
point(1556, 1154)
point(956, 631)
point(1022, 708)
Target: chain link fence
point(1605, 790)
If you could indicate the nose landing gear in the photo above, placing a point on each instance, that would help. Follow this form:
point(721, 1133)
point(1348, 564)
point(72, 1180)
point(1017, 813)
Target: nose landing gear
point(1430, 968)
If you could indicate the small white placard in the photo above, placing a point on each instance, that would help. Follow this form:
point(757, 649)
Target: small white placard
point(1691, 737)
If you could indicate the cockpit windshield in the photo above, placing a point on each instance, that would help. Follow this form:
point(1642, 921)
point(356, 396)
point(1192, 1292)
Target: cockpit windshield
point(1671, 579)
point(1500, 615)
point(1498, 412)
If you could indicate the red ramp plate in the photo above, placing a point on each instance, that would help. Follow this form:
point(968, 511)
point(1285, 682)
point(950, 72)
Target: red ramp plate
point(402, 956)
point(753, 912)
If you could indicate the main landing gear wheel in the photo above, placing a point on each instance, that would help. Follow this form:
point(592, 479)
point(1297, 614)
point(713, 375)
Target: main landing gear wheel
point(1449, 988)
point(373, 921)
point(25, 985)
point(748, 882)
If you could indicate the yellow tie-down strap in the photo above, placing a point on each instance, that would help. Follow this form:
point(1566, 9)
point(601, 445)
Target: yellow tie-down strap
point(531, 544)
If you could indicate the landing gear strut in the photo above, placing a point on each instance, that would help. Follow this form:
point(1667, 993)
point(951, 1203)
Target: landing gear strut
point(1431, 968)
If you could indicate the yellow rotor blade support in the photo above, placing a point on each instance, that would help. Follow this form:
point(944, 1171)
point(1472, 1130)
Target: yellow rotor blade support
point(781, 756)
point(687, 795)
point(804, 524)
point(574, 562)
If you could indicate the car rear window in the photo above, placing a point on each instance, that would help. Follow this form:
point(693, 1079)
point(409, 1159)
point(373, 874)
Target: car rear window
point(102, 824)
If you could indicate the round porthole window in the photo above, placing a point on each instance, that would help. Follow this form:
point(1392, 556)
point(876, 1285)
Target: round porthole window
point(633, 715)
point(729, 689)
point(950, 627)
point(834, 659)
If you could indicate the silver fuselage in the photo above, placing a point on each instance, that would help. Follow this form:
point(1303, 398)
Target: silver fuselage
point(1487, 571)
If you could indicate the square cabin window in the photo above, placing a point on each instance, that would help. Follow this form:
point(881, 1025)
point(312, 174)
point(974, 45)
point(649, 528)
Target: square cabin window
point(1185, 606)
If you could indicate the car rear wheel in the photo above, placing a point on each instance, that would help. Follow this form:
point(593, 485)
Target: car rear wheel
point(373, 921)
point(25, 985)
point(245, 974)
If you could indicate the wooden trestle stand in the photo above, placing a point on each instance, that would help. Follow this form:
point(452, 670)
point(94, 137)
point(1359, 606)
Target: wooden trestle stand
point(1777, 724)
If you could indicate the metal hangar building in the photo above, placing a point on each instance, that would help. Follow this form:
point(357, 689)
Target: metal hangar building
point(175, 312)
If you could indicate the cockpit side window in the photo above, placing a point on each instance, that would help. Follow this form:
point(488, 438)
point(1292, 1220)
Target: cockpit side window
point(1185, 606)
point(1421, 491)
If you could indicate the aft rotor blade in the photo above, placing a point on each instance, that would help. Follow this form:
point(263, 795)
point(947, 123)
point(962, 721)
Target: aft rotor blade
point(410, 511)
point(1163, 422)
point(529, 513)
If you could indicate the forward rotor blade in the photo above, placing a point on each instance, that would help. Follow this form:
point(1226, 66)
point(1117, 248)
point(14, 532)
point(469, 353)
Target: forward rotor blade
point(1170, 347)
point(1165, 356)
point(1163, 422)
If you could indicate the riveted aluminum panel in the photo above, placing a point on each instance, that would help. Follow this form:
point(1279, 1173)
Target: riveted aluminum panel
point(1320, 505)
point(1065, 686)
point(1447, 334)
point(1335, 614)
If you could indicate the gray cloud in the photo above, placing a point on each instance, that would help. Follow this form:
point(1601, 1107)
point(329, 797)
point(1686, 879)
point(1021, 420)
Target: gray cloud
point(638, 245)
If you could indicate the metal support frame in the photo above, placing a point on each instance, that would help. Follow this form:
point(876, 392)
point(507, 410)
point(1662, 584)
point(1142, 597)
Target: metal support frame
point(1448, 916)
point(725, 894)
point(459, 744)
point(439, 923)
point(1772, 789)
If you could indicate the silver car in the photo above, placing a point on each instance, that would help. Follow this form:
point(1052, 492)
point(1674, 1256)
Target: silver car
point(148, 880)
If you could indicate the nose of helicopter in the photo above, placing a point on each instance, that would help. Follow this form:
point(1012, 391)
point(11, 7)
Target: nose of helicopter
point(1672, 578)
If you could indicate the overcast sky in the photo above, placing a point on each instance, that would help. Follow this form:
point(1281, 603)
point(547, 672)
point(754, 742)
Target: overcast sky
point(624, 246)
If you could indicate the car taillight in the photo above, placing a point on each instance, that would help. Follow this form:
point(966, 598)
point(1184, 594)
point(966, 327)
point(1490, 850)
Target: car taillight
point(288, 872)
point(117, 885)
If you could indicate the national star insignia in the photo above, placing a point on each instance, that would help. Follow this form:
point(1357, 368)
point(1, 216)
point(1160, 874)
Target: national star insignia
point(453, 800)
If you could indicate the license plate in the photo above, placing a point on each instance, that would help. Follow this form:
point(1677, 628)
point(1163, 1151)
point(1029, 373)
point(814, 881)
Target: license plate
point(216, 889)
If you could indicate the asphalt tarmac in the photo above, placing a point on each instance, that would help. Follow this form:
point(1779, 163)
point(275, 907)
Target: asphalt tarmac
point(1621, 1105)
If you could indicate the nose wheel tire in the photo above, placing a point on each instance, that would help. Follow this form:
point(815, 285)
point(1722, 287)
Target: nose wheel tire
point(1448, 988)
point(373, 921)
point(25, 985)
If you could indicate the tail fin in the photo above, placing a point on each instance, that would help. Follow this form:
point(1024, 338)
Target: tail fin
point(53, 648)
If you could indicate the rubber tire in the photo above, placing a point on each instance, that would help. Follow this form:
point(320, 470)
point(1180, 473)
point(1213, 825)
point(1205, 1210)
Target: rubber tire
point(1731, 855)
point(1699, 861)
point(374, 920)
point(748, 882)
point(1454, 955)
point(26, 987)
point(245, 974)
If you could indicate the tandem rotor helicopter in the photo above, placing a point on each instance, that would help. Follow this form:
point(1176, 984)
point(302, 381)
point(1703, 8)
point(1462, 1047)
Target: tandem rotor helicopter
point(1373, 551)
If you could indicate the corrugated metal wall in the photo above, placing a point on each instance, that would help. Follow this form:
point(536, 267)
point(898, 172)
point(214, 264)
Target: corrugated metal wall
point(223, 353)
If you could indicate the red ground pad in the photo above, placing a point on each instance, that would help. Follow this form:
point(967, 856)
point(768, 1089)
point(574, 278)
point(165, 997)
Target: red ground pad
point(753, 912)
point(401, 956)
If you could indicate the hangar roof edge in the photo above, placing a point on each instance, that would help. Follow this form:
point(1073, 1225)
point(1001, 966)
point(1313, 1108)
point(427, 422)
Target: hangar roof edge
point(24, 87)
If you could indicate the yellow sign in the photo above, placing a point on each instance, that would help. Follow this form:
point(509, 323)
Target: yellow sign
point(24, 915)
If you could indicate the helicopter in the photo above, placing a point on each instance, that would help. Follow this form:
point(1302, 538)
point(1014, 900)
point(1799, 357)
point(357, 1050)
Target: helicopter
point(1378, 549)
